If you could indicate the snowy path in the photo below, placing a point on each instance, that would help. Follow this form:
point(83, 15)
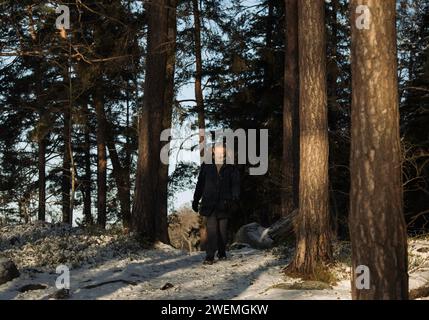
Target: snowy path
point(248, 274)
point(140, 274)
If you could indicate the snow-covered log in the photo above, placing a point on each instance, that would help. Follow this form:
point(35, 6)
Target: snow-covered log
point(259, 237)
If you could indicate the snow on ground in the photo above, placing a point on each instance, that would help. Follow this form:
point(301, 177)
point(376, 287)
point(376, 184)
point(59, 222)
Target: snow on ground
point(246, 275)
point(124, 271)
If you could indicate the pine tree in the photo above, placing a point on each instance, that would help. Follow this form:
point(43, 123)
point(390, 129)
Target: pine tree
point(199, 97)
point(313, 233)
point(290, 172)
point(150, 200)
point(377, 225)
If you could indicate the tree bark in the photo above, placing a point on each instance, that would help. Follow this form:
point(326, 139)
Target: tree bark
point(313, 234)
point(101, 158)
point(149, 215)
point(377, 225)
point(290, 174)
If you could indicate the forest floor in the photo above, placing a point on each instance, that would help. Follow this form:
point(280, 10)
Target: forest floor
point(113, 266)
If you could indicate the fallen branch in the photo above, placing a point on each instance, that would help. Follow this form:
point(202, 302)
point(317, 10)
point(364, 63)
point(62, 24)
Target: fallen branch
point(32, 287)
point(92, 286)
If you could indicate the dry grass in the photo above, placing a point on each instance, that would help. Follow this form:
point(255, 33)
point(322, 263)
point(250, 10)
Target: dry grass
point(321, 273)
point(419, 292)
point(304, 285)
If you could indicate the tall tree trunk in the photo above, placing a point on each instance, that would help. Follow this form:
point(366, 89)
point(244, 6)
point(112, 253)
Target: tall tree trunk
point(126, 216)
point(66, 175)
point(199, 96)
point(198, 76)
point(162, 230)
point(150, 200)
point(101, 157)
point(88, 173)
point(313, 234)
point(290, 174)
point(121, 175)
point(42, 178)
point(269, 50)
point(332, 72)
point(42, 140)
point(333, 107)
point(68, 179)
point(377, 226)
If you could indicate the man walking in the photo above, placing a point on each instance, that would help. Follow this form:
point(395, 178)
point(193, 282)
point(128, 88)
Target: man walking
point(218, 187)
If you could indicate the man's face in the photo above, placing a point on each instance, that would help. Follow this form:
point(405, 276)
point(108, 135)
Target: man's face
point(219, 154)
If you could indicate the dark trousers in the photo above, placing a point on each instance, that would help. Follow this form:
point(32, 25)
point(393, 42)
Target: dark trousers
point(216, 236)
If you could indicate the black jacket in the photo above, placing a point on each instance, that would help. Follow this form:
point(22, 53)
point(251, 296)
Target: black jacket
point(217, 190)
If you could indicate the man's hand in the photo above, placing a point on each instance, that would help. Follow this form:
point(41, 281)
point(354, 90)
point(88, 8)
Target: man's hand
point(195, 206)
point(231, 205)
point(235, 204)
